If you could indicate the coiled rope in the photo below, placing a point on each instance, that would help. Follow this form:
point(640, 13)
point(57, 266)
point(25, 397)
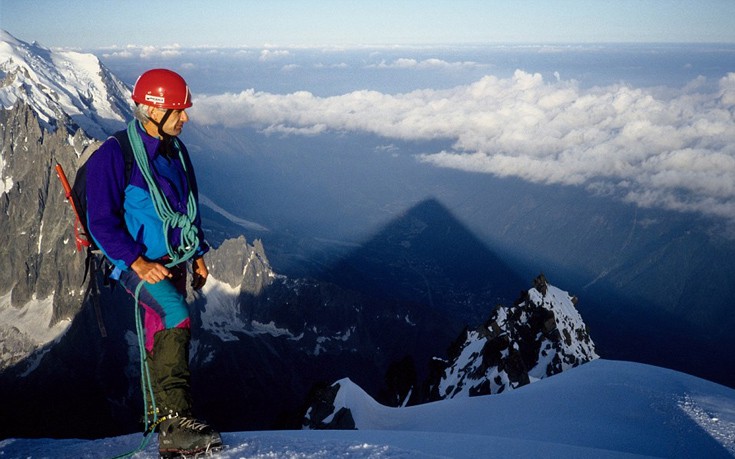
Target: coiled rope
point(171, 219)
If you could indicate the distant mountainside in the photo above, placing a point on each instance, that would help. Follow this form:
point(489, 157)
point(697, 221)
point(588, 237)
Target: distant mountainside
point(64, 88)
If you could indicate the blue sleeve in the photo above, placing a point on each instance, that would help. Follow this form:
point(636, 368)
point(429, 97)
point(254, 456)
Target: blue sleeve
point(106, 185)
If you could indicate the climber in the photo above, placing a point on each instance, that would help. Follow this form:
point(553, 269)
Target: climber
point(149, 228)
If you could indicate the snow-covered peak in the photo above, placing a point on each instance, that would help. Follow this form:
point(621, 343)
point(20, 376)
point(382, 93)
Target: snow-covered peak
point(541, 335)
point(66, 87)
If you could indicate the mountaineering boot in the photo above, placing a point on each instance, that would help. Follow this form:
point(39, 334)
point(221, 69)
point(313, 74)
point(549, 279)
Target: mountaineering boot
point(180, 436)
point(178, 432)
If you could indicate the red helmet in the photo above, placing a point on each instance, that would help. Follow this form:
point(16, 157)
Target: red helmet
point(162, 88)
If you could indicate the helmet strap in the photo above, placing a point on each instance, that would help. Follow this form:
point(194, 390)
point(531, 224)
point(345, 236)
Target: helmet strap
point(161, 123)
point(165, 145)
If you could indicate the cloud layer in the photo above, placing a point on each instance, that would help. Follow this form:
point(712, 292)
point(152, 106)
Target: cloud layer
point(675, 151)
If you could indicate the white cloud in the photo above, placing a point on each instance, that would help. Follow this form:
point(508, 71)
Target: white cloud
point(727, 90)
point(432, 63)
point(123, 54)
point(144, 52)
point(341, 65)
point(676, 152)
point(268, 54)
point(155, 52)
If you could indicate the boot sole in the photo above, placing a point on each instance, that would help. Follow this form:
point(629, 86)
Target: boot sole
point(192, 454)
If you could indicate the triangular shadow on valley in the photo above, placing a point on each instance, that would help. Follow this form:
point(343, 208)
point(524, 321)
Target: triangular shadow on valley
point(427, 256)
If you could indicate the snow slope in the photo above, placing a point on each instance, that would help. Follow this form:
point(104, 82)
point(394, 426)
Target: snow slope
point(60, 84)
point(602, 409)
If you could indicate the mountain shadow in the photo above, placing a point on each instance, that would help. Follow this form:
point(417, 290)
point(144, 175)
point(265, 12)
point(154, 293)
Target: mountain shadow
point(428, 256)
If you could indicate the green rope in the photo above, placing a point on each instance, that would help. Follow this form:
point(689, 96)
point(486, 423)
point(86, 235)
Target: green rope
point(145, 380)
point(145, 371)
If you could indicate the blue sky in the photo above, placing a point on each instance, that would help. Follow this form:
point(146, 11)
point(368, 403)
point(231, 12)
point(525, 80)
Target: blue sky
point(101, 23)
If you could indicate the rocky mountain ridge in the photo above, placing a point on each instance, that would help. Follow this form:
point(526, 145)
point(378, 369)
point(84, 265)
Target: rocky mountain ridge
point(539, 336)
point(41, 261)
point(52, 101)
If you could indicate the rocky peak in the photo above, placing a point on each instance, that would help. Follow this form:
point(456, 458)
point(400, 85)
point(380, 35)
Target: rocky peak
point(241, 265)
point(541, 335)
point(328, 408)
point(64, 88)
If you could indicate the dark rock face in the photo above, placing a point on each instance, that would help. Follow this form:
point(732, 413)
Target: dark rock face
point(36, 242)
point(322, 413)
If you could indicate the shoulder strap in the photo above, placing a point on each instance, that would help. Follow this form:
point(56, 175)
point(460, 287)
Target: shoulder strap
point(188, 167)
point(127, 151)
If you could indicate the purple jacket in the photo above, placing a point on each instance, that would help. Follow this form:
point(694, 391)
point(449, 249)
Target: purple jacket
point(121, 216)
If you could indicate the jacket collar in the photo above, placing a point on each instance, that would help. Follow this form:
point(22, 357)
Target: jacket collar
point(151, 143)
